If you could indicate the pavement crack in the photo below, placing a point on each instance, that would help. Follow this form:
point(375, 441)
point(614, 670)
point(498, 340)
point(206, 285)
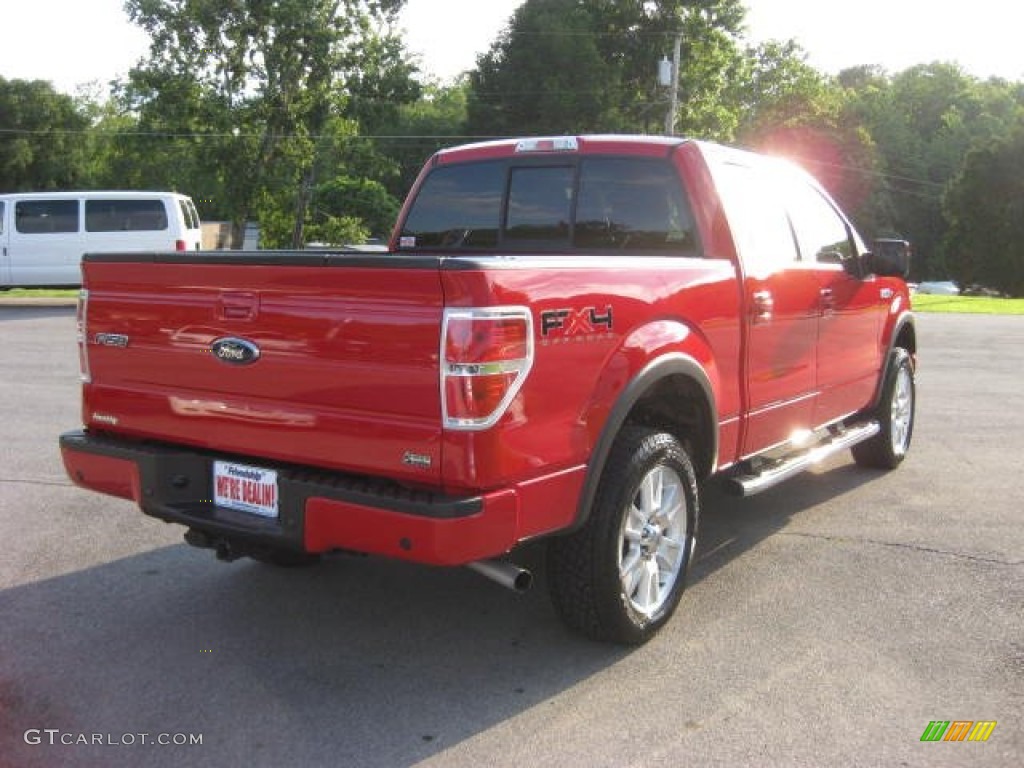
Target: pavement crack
point(900, 545)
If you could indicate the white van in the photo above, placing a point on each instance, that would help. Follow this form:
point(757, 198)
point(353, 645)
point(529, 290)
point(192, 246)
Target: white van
point(44, 234)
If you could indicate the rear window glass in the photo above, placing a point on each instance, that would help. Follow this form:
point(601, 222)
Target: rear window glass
point(125, 216)
point(621, 204)
point(540, 205)
point(633, 205)
point(43, 217)
point(457, 207)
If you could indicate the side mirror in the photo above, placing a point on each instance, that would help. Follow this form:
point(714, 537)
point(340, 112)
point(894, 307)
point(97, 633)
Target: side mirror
point(890, 258)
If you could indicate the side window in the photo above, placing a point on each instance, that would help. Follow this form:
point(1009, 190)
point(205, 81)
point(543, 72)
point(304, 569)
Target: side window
point(820, 232)
point(633, 205)
point(189, 214)
point(43, 217)
point(458, 206)
point(125, 216)
point(539, 205)
point(186, 214)
point(194, 222)
point(757, 217)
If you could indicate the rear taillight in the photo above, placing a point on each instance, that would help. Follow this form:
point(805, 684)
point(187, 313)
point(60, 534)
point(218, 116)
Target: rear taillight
point(81, 319)
point(180, 245)
point(486, 355)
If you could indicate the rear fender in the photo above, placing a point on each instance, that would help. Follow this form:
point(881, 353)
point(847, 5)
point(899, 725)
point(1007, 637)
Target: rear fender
point(650, 356)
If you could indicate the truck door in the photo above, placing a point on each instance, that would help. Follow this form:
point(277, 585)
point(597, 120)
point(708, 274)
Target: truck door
point(849, 358)
point(781, 296)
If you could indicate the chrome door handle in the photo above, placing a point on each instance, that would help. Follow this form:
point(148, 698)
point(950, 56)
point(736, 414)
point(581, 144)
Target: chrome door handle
point(828, 302)
point(763, 306)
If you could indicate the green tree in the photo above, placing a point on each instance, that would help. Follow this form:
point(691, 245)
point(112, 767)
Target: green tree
point(364, 200)
point(786, 107)
point(436, 120)
point(778, 88)
point(574, 66)
point(985, 208)
point(924, 121)
point(42, 138)
point(242, 94)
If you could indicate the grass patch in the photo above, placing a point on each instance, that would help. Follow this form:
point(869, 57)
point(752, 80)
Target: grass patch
point(973, 305)
point(40, 293)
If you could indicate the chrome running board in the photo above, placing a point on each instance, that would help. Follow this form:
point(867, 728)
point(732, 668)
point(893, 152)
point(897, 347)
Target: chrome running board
point(747, 484)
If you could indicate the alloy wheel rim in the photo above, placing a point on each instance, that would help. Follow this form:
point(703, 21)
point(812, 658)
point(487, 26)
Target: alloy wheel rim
point(902, 412)
point(652, 540)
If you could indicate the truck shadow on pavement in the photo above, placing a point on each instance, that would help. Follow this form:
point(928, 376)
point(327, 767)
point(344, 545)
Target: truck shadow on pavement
point(10, 310)
point(359, 661)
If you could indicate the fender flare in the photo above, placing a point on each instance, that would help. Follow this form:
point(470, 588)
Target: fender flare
point(670, 364)
point(905, 321)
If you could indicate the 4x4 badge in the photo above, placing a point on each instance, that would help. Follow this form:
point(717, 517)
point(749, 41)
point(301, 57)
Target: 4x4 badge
point(235, 351)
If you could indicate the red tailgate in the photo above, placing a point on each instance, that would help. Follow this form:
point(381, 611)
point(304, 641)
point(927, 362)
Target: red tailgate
point(330, 361)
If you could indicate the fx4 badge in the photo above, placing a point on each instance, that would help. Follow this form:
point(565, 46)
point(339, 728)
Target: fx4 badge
point(562, 326)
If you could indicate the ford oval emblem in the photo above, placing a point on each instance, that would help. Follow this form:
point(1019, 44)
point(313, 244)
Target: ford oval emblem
point(235, 351)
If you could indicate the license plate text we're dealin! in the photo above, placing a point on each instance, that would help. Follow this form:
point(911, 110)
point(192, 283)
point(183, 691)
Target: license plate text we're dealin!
point(245, 488)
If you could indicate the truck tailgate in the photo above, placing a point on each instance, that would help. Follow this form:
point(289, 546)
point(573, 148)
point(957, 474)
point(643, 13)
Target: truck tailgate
point(325, 360)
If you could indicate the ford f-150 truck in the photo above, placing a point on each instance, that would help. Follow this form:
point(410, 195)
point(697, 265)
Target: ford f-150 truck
point(565, 339)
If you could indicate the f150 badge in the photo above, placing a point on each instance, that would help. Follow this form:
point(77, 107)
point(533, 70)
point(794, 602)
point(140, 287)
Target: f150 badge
point(235, 351)
point(561, 326)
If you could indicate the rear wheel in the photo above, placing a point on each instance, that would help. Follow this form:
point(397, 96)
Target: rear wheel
point(895, 414)
point(620, 577)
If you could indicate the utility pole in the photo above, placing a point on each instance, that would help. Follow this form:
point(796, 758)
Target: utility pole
point(670, 118)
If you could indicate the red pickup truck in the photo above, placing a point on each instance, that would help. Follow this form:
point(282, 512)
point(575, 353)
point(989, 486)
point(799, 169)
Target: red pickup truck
point(566, 337)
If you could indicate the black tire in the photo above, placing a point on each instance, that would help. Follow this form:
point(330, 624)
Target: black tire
point(284, 558)
point(601, 576)
point(895, 414)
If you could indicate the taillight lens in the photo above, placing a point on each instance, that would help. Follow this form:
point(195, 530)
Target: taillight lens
point(486, 355)
point(81, 318)
point(180, 245)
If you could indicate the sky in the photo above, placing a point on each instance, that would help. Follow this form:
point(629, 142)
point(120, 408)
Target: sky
point(73, 42)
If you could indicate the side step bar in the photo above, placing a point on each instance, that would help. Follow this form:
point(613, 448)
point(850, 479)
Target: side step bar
point(783, 469)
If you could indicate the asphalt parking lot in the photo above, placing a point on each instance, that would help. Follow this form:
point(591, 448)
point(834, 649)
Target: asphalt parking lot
point(828, 621)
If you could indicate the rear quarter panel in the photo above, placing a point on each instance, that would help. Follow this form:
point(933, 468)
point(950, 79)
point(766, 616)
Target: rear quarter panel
point(656, 305)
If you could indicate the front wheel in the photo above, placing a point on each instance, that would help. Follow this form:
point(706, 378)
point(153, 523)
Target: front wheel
point(895, 414)
point(620, 577)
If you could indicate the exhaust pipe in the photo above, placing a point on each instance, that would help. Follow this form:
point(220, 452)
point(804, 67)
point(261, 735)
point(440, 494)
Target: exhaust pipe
point(508, 575)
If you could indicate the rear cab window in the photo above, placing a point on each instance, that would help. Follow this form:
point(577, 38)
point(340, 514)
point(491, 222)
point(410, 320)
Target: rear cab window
point(558, 205)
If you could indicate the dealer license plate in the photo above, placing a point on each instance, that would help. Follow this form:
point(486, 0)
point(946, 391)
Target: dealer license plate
point(245, 488)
